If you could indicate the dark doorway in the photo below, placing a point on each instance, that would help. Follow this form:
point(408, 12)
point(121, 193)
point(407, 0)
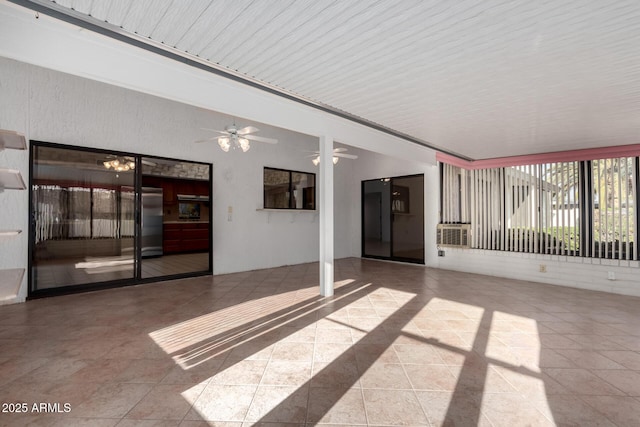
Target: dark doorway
point(393, 218)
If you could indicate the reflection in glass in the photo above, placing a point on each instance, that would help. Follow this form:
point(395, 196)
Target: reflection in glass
point(304, 190)
point(284, 189)
point(408, 218)
point(175, 217)
point(377, 218)
point(83, 215)
point(276, 189)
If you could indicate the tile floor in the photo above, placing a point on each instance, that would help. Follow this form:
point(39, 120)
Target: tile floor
point(396, 345)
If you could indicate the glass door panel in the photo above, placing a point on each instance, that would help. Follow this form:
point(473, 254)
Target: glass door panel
point(376, 218)
point(83, 208)
point(407, 211)
point(175, 229)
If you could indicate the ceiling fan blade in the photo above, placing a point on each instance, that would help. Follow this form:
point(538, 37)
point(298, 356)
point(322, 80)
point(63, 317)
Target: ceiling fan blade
point(261, 139)
point(247, 129)
point(216, 130)
point(339, 150)
point(346, 156)
point(200, 141)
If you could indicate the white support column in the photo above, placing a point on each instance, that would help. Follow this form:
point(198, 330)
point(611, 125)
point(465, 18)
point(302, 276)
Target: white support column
point(326, 216)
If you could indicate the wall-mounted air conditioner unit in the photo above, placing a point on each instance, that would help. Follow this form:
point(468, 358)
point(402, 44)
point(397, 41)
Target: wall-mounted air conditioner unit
point(454, 235)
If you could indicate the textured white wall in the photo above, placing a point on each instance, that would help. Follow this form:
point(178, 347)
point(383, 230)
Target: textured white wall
point(575, 272)
point(51, 106)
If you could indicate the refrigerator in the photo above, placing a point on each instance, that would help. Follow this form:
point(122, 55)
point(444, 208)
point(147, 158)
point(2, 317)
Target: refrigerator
point(151, 222)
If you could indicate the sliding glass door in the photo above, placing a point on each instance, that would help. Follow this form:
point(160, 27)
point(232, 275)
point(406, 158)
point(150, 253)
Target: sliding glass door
point(393, 218)
point(102, 219)
point(83, 219)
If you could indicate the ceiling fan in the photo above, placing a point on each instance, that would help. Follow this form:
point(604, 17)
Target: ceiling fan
point(337, 153)
point(232, 137)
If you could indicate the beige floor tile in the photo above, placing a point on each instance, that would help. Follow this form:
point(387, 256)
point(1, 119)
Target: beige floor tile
point(222, 403)
point(55, 370)
point(147, 423)
point(283, 372)
point(241, 372)
point(626, 358)
point(565, 410)
point(626, 380)
point(201, 373)
point(334, 336)
point(449, 409)
point(385, 376)
point(289, 333)
point(393, 407)
point(499, 408)
point(583, 382)
point(342, 374)
point(112, 400)
point(191, 423)
point(431, 377)
point(367, 354)
point(279, 404)
point(589, 359)
point(328, 352)
point(622, 411)
point(166, 402)
point(336, 406)
point(293, 351)
point(89, 422)
point(418, 354)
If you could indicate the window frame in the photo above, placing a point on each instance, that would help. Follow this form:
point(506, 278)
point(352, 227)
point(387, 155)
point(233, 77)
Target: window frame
point(290, 190)
point(581, 228)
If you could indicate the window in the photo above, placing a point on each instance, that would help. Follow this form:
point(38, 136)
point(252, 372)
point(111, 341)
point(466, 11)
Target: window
point(285, 189)
point(613, 208)
point(579, 208)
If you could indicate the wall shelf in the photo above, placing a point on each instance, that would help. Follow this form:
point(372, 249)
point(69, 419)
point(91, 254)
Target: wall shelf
point(11, 179)
point(10, 281)
point(12, 140)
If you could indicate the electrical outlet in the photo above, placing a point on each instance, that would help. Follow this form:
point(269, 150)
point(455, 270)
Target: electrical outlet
point(611, 275)
point(543, 268)
point(440, 252)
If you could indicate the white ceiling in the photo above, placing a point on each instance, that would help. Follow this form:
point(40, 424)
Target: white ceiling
point(481, 78)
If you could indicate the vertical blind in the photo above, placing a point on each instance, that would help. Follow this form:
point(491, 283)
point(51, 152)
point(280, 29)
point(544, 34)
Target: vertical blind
point(580, 208)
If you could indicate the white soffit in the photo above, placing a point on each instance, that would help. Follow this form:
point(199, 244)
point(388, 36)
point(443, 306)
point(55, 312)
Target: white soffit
point(484, 79)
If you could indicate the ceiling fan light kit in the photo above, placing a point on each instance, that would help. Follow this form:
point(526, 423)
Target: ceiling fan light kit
point(233, 138)
point(316, 160)
point(337, 153)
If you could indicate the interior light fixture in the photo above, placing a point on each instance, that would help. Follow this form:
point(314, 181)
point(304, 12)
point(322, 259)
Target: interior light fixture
point(233, 142)
point(316, 160)
point(244, 144)
point(223, 142)
point(119, 165)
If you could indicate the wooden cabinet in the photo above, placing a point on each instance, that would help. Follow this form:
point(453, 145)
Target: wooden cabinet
point(186, 237)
